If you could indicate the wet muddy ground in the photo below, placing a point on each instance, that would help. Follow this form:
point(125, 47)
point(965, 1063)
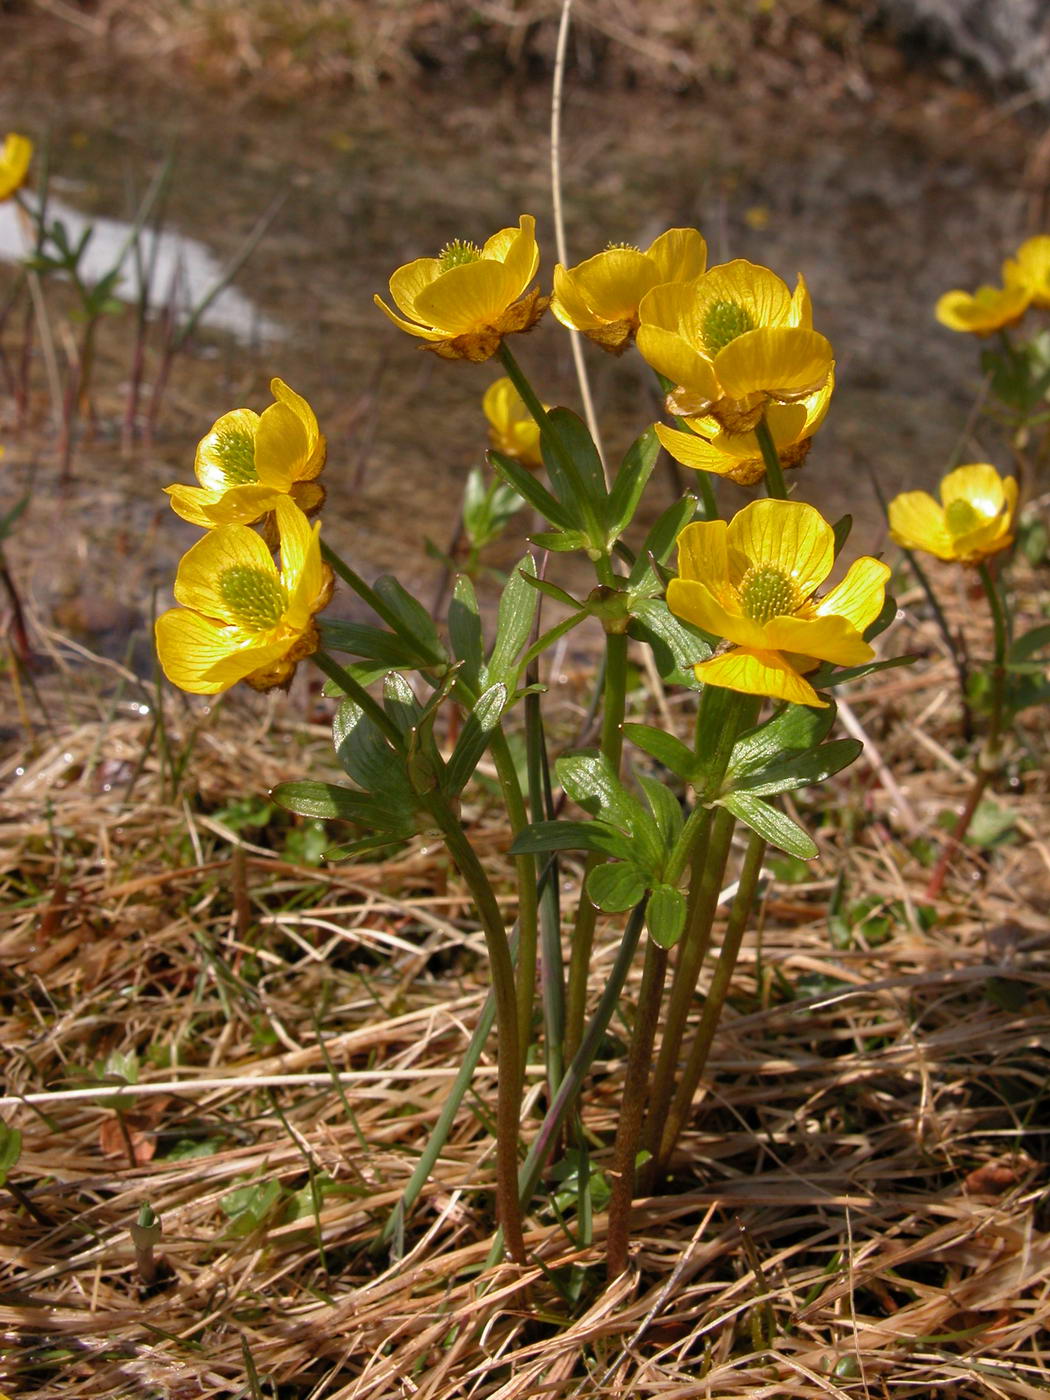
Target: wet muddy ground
point(884, 188)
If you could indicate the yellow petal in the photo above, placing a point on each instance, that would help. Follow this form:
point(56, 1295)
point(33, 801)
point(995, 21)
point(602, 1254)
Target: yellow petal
point(698, 453)
point(301, 566)
point(680, 255)
point(988, 310)
point(801, 306)
point(423, 332)
point(979, 484)
point(15, 155)
point(408, 281)
point(226, 455)
point(613, 283)
point(703, 553)
point(758, 673)
point(239, 505)
point(282, 447)
point(697, 604)
point(467, 297)
point(827, 638)
point(227, 547)
point(917, 522)
point(203, 657)
point(676, 360)
point(860, 595)
point(748, 285)
point(787, 535)
point(568, 305)
point(787, 362)
point(518, 252)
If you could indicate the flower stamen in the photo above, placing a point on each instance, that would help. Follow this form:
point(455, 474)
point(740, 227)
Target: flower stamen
point(766, 592)
point(236, 451)
point(255, 598)
point(457, 253)
point(724, 321)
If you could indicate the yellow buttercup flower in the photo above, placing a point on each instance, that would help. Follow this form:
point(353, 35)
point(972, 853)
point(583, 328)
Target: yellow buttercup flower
point(15, 155)
point(241, 619)
point(464, 302)
point(753, 581)
point(1030, 270)
point(709, 448)
point(249, 461)
point(601, 296)
point(989, 309)
point(731, 341)
point(975, 517)
point(512, 428)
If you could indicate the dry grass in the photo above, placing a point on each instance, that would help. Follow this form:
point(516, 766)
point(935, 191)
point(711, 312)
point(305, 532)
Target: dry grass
point(858, 1208)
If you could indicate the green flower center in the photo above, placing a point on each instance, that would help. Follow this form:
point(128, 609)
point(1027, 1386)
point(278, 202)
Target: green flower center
point(962, 517)
point(766, 592)
point(236, 451)
point(255, 597)
point(724, 321)
point(458, 252)
point(622, 248)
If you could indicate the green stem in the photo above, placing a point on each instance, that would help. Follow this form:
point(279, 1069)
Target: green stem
point(632, 1108)
point(528, 902)
point(703, 901)
point(775, 485)
point(614, 701)
point(508, 1104)
point(356, 691)
point(988, 758)
point(716, 996)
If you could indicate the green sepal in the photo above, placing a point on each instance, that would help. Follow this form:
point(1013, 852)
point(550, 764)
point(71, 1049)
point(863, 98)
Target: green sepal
point(616, 886)
point(532, 490)
point(474, 739)
point(635, 471)
point(665, 915)
point(540, 837)
point(769, 823)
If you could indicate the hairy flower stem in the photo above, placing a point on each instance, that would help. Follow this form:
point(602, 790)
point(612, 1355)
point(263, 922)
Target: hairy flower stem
point(565, 458)
point(988, 759)
point(716, 996)
point(508, 1103)
point(614, 701)
point(632, 1109)
point(775, 485)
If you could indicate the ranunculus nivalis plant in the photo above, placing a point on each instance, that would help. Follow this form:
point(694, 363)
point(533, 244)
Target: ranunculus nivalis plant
point(987, 310)
point(512, 428)
point(973, 520)
point(15, 156)
point(241, 618)
point(249, 461)
point(708, 447)
point(600, 297)
point(753, 582)
point(1029, 270)
point(462, 303)
point(731, 341)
